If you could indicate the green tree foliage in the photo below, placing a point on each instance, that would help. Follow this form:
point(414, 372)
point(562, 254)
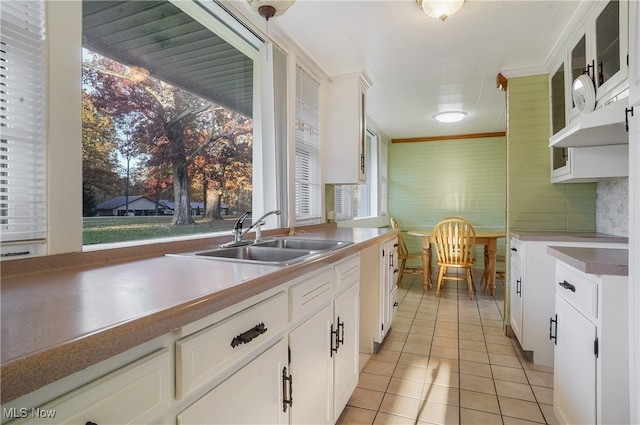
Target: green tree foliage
point(100, 178)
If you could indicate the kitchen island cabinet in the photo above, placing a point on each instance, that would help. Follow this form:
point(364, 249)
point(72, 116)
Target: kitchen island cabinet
point(532, 289)
point(590, 333)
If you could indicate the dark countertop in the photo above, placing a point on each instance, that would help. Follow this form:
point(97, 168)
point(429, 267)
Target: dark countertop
point(598, 261)
point(566, 236)
point(59, 320)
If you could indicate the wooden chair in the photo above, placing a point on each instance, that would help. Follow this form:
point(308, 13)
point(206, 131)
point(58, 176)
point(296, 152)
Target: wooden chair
point(404, 255)
point(454, 240)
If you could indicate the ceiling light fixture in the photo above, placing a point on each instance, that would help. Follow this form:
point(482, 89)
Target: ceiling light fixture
point(440, 9)
point(270, 8)
point(450, 116)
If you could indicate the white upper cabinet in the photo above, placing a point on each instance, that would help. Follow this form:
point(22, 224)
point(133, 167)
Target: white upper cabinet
point(597, 55)
point(346, 103)
point(599, 50)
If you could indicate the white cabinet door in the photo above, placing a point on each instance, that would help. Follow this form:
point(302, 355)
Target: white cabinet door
point(574, 395)
point(250, 396)
point(311, 369)
point(346, 361)
point(388, 283)
point(134, 394)
point(515, 288)
point(346, 132)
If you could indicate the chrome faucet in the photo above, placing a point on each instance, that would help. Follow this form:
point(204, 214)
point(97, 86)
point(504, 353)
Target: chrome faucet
point(238, 232)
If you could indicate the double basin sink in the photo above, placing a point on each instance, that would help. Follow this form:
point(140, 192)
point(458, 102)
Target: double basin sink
point(276, 251)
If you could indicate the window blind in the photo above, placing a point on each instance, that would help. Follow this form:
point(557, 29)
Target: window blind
point(307, 156)
point(22, 126)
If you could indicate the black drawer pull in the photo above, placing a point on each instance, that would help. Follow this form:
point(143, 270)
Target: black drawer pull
point(519, 287)
point(567, 285)
point(514, 249)
point(247, 336)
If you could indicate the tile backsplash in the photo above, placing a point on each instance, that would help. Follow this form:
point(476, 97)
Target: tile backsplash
point(612, 207)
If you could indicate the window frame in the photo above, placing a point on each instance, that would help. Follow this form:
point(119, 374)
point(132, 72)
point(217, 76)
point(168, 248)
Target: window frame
point(64, 144)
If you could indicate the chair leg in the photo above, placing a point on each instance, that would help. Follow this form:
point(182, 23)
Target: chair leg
point(403, 264)
point(470, 283)
point(441, 271)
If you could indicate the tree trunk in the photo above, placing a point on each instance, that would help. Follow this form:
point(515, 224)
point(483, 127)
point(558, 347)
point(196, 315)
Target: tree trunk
point(212, 212)
point(182, 212)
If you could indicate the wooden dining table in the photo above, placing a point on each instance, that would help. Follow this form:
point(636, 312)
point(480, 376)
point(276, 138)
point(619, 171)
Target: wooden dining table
point(486, 237)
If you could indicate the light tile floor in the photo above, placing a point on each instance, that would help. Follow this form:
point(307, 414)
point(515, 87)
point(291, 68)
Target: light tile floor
point(447, 361)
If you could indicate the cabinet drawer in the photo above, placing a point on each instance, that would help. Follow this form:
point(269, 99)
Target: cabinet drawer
point(516, 249)
point(136, 393)
point(311, 294)
point(579, 291)
point(202, 356)
point(347, 273)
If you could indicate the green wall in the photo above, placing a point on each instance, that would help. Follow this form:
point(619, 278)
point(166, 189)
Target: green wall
point(431, 180)
point(534, 203)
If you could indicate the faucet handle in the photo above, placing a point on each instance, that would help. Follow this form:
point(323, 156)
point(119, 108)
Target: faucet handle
point(258, 227)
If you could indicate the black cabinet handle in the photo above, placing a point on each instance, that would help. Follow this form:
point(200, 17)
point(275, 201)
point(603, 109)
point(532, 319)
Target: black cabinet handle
point(553, 336)
point(286, 401)
point(395, 304)
point(333, 337)
point(600, 74)
point(340, 340)
point(514, 249)
point(247, 336)
point(567, 285)
point(627, 111)
point(519, 286)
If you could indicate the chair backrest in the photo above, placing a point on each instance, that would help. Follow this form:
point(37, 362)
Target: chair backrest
point(454, 240)
point(402, 246)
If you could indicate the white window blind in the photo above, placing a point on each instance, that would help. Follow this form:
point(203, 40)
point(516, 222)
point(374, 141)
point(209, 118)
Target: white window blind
point(22, 126)
point(307, 171)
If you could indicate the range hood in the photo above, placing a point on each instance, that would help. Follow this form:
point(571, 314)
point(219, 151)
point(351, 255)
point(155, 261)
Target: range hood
point(604, 126)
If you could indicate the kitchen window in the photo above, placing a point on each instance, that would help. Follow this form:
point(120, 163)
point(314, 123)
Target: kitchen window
point(168, 105)
point(23, 202)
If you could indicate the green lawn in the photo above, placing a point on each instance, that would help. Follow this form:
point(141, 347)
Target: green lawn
point(119, 229)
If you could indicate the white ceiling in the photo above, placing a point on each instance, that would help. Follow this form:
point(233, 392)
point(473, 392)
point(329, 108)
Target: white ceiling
point(420, 66)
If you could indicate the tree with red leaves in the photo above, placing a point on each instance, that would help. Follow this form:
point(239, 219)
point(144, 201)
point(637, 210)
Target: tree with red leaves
point(170, 125)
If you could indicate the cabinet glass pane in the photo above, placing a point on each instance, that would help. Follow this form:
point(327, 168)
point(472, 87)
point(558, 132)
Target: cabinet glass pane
point(578, 60)
point(557, 100)
point(608, 42)
point(560, 157)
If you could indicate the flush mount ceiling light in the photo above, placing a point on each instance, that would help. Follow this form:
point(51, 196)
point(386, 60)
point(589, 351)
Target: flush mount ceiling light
point(270, 8)
point(440, 9)
point(450, 116)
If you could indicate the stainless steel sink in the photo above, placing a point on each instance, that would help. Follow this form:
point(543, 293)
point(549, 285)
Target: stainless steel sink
point(256, 253)
point(301, 243)
point(277, 251)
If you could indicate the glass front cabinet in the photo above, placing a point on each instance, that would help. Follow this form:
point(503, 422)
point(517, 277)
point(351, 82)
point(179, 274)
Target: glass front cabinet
point(598, 47)
point(600, 50)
